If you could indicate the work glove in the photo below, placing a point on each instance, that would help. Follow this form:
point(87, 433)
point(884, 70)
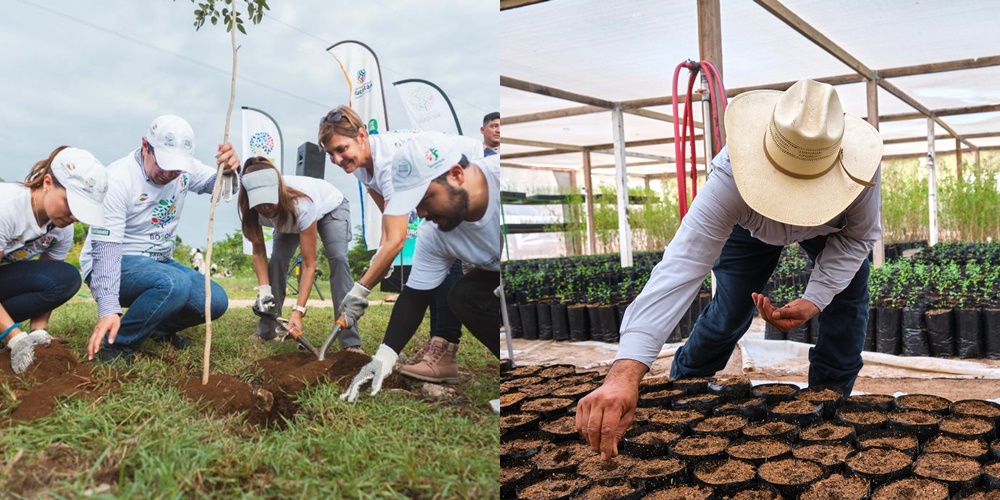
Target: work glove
point(371, 262)
point(377, 370)
point(22, 352)
point(354, 305)
point(40, 337)
point(265, 301)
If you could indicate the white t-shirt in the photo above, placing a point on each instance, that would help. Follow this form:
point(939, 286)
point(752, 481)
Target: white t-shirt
point(477, 243)
point(324, 199)
point(384, 147)
point(141, 215)
point(21, 238)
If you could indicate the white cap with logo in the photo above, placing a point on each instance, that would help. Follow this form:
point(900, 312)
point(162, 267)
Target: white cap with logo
point(173, 143)
point(86, 183)
point(421, 160)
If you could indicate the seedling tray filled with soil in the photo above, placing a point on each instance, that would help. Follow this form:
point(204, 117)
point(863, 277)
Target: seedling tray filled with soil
point(754, 410)
point(969, 448)
point(727, 426)
point(775, 393)
point(725, 476)
point(956, 471)
point(661, 399)
point(562, 428)
point(966, 428)
point(512, 477)
point(553, 487)
point(790, 476)
point(575, 391)
point(879, 465)
point(660, 472)
point(925, 402)
point(547, 407)
point(651, 384)
point(864, 419)
point(518, 422)
point(922, 424)
point(684, 492)
point(778, 429)
point(523, 371)
point(511, 402)
point(830, 397)
point(730, 388)
point(598, 470)
point(897, 440)
point(991, 475)
point(652, 440)
point(520, 446)
point(701, 403)
point(977, 408)
point(759, 450)
point(693, 449)
point(620, 490)
point(683, 418)
point(693, 386)
point(912, 488)
point(881, 402)
point(827, 432)
point(541, 389)
point(517, 383)
point(830, 456)
point(839, 487)
point(562, 457)
point(801, 412)
point(755, 492)
point(556, 371)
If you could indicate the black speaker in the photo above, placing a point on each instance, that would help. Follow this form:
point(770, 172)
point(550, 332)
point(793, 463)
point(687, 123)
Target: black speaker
point(311, 161)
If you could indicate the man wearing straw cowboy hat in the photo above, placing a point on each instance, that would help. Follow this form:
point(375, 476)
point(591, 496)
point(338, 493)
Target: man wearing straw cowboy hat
point(796, 169)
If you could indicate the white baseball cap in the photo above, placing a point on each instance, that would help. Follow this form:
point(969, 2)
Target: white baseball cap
point(421, 160)
point(173, 143)
point(86, 183)
point(261, 186)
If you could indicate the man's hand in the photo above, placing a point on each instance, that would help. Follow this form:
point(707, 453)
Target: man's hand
point(106, 325)
point(376, 370)
point(265, 301)
point(22, 352)
point(354, 305)
point(794, 314)
point(228, 158)
point(603, 415)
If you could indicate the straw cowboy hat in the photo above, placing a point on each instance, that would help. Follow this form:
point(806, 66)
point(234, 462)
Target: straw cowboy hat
point(797, 158)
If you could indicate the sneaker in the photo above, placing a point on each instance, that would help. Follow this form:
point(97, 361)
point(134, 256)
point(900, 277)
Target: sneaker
point(438, 364)
point(109, 354)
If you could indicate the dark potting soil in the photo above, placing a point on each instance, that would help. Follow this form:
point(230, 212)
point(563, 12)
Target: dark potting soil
point(674, 416)
point(790, 471)
point(521, 445)
point(912, 488)
point(517, 383)
point(728, 407)
point(914, 417)
point(866, 417)
point(870, 399)
point(541, 389)
point(561, 425)
point(758, 448)
point(965, 425)
point(924, 402)
point(698, 398)
point(662, 394)
point(655, 381)
point(601, 492)
point(775, 389)
point(971, 448)
point(700, 445)
point(513, 472)
point(580, 378)
point(895, 442)
point(992, 469)
point(524, 370)
point(724, 472)
point(656, 467)
point(516, 419)
point(771, 428)
point(947, 467)
point(681, 493)
point(760, 493)
point(721, 424)
point(556, 371)
point(731, 381)
point(797, 406)
point(982, 495)
point(826, 454)
point(654, 437)
point(879, 461)
point(556, 456)
point(226, 395)
point(546, 404)
point(837, 487)
point(596, 469)
point(826, 431)
point(511, 398)
point(978, 408)
point(574, 390)
point(819, 395)
point(556, 486)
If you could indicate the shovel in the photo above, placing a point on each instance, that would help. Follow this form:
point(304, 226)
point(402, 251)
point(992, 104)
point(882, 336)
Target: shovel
point(283, 330)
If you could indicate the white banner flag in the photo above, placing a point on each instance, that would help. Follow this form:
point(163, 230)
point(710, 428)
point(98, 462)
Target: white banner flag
point(261, 137)
point(428, 106)
point(364, 79)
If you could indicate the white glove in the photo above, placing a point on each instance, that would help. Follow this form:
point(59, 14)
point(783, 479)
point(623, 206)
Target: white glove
point(22, 352)
point(371, 262)
point(354, 305)
point(377, 370)
point(265, 300)
point(40, 337)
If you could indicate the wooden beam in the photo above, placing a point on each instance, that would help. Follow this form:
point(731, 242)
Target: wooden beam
point(541, 144)
point(940, 137)
point(923, 69)
point(534, 88)
point(549, 115)
point(589, 186)
point(910, 156)
point(903, 96)
point(513, 4)
point(958, 159)
point(710, 49)
point(814, 35)
point(871, 92)
point(534, 154)
point(558, 149)
point(967, 110)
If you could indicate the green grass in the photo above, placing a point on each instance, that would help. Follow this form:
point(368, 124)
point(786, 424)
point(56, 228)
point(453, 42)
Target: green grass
point(146, 440)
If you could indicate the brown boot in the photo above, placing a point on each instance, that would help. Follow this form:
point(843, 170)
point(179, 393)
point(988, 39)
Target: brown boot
point(438, 364)
point(419, 356)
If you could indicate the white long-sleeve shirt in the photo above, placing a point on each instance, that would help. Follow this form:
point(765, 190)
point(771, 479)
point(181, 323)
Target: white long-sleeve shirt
point(674, 282)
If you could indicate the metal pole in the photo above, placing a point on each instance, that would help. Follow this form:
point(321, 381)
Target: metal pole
point(621, 183)
point(931, 184)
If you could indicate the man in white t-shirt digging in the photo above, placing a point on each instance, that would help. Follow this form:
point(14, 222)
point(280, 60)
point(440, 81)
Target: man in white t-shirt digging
point(460, 202)
point(129, 261)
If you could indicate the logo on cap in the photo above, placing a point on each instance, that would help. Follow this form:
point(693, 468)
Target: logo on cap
point(431, 154)
point(403, 168)
point(70, 166)
point(168, 139)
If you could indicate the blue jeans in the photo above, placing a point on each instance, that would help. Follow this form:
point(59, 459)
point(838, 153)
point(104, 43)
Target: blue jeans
point(31, 288)
point(163, 298)
point(744, 267)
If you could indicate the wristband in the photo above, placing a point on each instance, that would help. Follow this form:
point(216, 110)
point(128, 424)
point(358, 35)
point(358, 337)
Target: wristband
point(8, 330)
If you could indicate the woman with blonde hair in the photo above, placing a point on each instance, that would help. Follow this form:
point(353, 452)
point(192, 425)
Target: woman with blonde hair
point(36, 219)
point(301, 210)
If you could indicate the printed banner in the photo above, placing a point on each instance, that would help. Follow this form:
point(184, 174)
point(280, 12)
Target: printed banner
point(262, 137)
point(428, 106)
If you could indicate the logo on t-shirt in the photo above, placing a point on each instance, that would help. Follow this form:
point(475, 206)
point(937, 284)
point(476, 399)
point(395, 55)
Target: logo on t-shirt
point(143, 197)
point(164, 212)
